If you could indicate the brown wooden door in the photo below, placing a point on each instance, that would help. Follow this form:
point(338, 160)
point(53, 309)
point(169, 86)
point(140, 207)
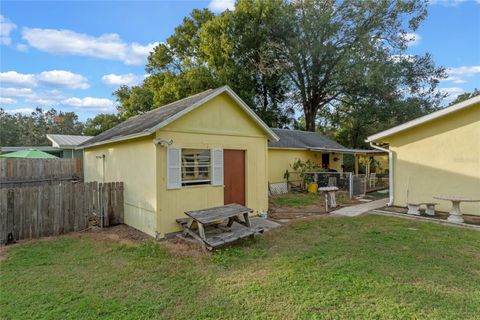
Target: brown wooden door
point(234, 176)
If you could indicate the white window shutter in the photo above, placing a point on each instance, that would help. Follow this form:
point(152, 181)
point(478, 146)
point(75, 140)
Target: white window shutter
point(174, 168)
point(217, 167)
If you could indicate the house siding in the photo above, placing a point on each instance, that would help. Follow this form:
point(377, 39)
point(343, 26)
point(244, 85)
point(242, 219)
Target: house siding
point(219, 123)
point(440, 157)
point(132, 162)
point(279, 161)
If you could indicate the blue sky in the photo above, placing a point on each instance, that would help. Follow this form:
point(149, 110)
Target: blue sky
point(71, 55)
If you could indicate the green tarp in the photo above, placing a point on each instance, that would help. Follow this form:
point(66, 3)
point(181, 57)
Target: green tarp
point(28, 154)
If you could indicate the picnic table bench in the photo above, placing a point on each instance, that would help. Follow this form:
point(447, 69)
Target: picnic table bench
point(198, 220)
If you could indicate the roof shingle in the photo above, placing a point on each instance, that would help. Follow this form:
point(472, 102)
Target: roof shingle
point(295, 139)
point(148, 120)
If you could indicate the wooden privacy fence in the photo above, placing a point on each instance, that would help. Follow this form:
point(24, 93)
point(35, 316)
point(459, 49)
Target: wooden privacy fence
point(23, 172)
point(48, 210)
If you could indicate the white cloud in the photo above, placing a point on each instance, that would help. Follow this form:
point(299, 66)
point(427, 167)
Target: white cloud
point(55, 78)
point(6, 27)
point(454, 79)
point(221, 5)
point(100, 104)
point(43, 98)
point(452, 93)
point(450, 3)
point(22, 47)
point(42, 102)
point(20, 110)
point(121, 79)
point(7, 100)
point(413, 39)
point(14, 78)
point(464, 70)
point(106, 46)
point(16, 92)
point(62, 78)
point(457, 74)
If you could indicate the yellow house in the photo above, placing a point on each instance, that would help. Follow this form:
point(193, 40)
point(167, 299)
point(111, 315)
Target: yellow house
point(302, 145)
point(438, 154)
point(206, 150)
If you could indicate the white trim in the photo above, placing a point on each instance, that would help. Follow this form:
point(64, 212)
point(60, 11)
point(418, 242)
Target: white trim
point(427, 118)
point(171, 185)
point(214, 93)
point(116, 139)
point(216, 163)
point(330, 150)
point(54, 143)
point(280, 148)
point(390, 172)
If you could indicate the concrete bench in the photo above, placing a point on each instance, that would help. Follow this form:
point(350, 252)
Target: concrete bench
point(414, 208)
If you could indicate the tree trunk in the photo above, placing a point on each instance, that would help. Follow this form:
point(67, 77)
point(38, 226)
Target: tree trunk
point(310, 118)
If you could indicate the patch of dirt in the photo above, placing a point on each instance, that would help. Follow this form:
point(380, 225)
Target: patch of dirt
point(3, 253)
point(280, 213)
point(286, 214)
point(120, 233)
point(181, 248)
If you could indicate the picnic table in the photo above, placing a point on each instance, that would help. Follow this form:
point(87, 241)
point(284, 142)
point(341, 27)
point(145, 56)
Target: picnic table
point(198, 220)
point(455, 214)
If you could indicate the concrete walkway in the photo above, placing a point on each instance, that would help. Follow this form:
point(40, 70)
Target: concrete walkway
point(359, 209)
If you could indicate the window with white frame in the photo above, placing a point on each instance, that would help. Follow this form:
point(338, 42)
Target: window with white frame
point(196, 166)
point(189, 167)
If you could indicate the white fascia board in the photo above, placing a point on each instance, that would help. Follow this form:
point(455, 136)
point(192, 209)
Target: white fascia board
point(217, 92)
point(424, 119)
point(54, 143)
point(115, 139)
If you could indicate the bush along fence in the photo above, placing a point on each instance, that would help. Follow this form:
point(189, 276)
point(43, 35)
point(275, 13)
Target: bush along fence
point(32, 172)
point(49, 210)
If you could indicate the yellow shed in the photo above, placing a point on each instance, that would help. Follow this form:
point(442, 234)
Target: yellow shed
point(302, 145)
point(438, 154)
point(206, 150)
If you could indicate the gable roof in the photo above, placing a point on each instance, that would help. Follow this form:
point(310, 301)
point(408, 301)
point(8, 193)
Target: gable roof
point(296, 139)
point(67, 140)
point(429, 117)
point(151, 121)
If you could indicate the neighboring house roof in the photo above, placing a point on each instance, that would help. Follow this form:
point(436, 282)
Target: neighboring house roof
point(295, 139)
point(41, 148)
point(66, 140)
point(429, 117)
point(149, 122)
point(28, 154)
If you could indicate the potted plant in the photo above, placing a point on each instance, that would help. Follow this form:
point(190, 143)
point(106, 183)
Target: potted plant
point(305, 170)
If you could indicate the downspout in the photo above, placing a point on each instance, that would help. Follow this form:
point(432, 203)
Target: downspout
point(390, 171)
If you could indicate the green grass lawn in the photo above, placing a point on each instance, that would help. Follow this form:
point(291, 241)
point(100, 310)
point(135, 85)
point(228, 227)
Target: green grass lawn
point(296, 200)
point(327, 268)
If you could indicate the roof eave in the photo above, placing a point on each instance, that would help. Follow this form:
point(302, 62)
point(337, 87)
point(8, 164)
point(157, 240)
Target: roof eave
point(272, 136)
point(427, 118)
point(113, 140)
